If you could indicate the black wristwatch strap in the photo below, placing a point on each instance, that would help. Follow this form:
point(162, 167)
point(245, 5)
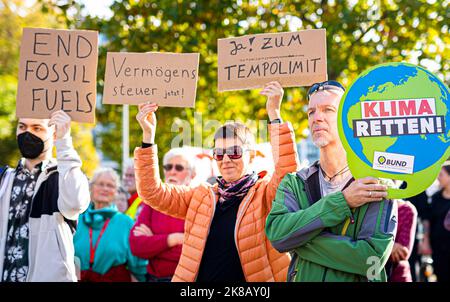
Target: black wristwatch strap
point(276, 121)
point(145, 145)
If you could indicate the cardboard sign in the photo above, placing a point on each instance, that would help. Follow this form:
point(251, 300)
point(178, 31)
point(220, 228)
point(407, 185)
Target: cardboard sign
point(291, 58)
point(394, 123)
point(168, 79)
point(57, 71)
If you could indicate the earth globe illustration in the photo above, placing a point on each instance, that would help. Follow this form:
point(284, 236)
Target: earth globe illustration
point(394, 81)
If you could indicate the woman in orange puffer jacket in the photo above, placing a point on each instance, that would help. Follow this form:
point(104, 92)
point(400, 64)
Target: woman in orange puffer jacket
point(224, 224)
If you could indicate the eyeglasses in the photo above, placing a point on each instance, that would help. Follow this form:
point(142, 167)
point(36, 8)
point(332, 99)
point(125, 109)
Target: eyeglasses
point(325, 86)
point(105, 185)
point(233, 152)
point(169, 167)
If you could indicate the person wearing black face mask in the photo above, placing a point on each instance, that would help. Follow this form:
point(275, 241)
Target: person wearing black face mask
point(30, 145)
point(40, 201)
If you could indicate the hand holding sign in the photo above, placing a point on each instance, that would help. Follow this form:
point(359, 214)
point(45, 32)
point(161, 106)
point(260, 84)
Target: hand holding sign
point(363, 191)
point(146, 118)
point(61, 121)
point(274, 93)
point(390, 119)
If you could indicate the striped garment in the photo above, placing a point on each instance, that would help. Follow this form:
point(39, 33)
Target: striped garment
point(237, 189)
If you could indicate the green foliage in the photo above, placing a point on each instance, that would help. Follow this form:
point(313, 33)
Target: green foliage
point(358, 36)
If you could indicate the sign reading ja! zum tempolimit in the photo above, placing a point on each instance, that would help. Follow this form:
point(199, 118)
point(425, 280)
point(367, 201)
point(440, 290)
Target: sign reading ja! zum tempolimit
point(291, 58)
point(393, 123)
point(57, 71)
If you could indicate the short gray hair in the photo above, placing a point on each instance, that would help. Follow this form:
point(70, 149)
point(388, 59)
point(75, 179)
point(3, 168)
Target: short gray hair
point(185, 153)
point(129, 162)
point(102, 171)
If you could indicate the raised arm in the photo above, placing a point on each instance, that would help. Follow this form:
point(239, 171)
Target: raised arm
point(172, 200)
point(282, 140)
point(73, 186)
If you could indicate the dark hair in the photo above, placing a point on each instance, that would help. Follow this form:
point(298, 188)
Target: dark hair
point(327, 85)
point(447, 169)
point(235, 130)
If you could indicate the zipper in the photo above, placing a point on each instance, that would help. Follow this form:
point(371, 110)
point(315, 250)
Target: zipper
point(350, 220)
point(324, 274)
point(356, 225)
point(238, 221)
point(209, 229)
point(294, 272)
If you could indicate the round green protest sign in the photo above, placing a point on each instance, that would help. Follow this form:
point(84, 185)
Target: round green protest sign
point(394, 123)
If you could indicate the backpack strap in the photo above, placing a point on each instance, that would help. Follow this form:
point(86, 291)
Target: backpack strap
point(312, 186)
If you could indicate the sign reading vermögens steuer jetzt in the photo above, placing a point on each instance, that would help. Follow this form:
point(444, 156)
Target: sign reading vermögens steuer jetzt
point(291, 58)
point(57, 71)
point(168, 79)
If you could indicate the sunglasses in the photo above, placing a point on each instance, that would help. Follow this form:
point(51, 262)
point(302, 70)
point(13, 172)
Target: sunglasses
point(177, 167)
point(324, 85)
point(233, 152)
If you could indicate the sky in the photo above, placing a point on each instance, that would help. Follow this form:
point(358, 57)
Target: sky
point(98, 8)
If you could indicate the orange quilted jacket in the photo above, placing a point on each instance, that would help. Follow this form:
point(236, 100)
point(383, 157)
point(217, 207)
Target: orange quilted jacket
point(260, 261)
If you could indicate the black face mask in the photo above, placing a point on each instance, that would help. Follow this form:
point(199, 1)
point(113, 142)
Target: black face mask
point(30, 145)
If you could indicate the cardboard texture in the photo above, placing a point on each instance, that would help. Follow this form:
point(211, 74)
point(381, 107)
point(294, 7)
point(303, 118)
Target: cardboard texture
point(291, 58)
point(57, 71)
point(168, 79)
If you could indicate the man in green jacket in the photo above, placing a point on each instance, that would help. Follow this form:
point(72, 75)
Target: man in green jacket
point(335, 227)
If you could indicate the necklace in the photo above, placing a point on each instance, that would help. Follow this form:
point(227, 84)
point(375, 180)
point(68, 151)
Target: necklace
point(345, 169)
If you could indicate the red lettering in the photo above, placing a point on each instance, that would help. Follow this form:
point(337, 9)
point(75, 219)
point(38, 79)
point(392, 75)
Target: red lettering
point(425, 108)
point(406, 108)
point(393, 108)
point(369, 109)
point(383, 111)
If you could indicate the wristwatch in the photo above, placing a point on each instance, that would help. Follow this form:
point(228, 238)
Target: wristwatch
point(276, 121)
point(146, 145)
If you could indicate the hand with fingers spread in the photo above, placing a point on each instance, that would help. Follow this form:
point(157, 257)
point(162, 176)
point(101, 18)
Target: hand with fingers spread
point(147, 120)
point(274, 93)
point(61, 121)
point(142, 230)
point(364, 190)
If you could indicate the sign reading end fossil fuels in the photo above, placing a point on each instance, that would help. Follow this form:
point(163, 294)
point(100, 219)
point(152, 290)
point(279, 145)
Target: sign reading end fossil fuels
point(394, 123)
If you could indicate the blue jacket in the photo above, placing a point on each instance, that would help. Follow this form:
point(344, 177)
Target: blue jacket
point(113, 248)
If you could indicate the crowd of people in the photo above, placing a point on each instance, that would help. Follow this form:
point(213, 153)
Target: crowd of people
point(315, 223)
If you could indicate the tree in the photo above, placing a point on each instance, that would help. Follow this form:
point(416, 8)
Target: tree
point(360, 34)
point(14, 15)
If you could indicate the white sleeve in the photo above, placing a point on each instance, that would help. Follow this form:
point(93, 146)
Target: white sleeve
point(74, 196)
